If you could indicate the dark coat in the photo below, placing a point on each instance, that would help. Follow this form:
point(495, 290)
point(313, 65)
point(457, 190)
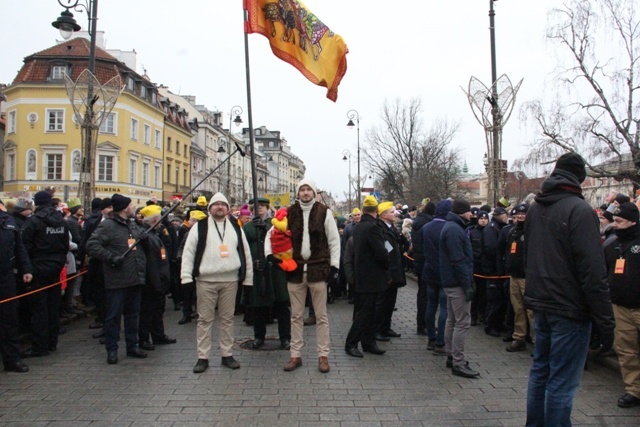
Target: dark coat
point(14, 254)
point(475, 236)
point(74, 229)
point(269, 285)
point(456, 255)
point(431, 240)
point(416, 240)
point(46, 237)
point(625, 287)
point(396, 268)
point(564, 262)
point(90, 225)
point(514, 251)
point(111, 238)
point(490, 238)
point(349, 262)
point(371, 257)
point(157, 261)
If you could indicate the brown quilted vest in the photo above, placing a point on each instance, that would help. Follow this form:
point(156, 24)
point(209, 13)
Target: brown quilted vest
point(320, 260)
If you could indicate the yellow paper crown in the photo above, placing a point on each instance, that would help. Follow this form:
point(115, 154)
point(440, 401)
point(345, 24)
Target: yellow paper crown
point(151, 210)
point(197, 214)
point(356, 211)
point(202, 201)
point(384, 206)
point(370, 201)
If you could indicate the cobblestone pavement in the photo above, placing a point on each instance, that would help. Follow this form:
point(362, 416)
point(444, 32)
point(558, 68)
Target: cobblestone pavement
point(407, 386)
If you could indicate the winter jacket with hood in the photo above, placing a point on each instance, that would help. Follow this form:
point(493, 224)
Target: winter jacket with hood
point(456, 255)
point(431, 242)
point(564, 261)
point(416, 240)
point(46, 237)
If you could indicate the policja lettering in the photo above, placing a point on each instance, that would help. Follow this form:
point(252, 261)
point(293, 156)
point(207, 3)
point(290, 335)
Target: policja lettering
point(54, 230)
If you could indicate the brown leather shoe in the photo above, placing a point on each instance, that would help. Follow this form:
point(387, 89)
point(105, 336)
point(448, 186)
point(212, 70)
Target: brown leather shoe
point(293, 363)
point(323, 364)
point(311, 320)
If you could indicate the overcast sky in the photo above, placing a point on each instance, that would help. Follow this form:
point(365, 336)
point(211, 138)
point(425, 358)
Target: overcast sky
point(401, 49)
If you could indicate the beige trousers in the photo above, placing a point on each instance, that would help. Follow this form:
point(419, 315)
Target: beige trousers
point(297, 295)
point(209, 294)
point(522, 315)
point(627, 347)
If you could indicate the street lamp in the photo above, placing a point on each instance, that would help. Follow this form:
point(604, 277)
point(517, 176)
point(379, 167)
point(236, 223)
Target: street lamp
point(236, 110)
point(353, 114)
point(66, 24)
point(222, 141)
point(346, 155)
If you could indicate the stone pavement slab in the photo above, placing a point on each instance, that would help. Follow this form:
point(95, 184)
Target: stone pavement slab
point(408, 386)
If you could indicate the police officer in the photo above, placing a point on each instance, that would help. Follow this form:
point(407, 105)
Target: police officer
point(14, 256)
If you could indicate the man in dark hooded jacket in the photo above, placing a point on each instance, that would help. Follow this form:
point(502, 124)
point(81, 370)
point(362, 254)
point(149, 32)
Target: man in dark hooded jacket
point(424, 217)
point(566, 288)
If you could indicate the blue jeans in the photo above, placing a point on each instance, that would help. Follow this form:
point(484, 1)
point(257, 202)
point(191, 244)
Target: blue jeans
point(435, 297)
point(558, 362)
point(119, 302)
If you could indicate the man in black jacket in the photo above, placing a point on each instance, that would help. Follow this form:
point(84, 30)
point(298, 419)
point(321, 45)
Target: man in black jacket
point(566, 288)
point(14, 256)
point(514, 267)
point(623, 265)
point(424, 216)
point(371, 279)
point(46, 238)
point(124, 274)
point(496, 308)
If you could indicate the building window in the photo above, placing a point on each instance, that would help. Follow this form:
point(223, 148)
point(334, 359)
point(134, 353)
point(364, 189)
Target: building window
point(156, 176)
point(130, 84)
point(54, 166)
point(146, 134)
point(11, 121)
point(272, 144)
point(55, 120)
point(158, 138)
point(105, 168)
point(108, 125)
point(58, 72)
point(133, 171)
point(134, 129)
point(143, 92)
point(177, 147)
point(154, 98)
point(169, 174)
point(184, 177)
point(145, 174)
point(168, 143)
point(185, 150)
point(11, 167)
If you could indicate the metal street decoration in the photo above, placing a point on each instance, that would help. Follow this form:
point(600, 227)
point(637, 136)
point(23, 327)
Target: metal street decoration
point(98, 101)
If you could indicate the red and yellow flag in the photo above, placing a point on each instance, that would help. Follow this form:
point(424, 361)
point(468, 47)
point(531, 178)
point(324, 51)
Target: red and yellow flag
point(298, 37)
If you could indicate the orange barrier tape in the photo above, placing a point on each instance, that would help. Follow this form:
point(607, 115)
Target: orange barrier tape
point(42, 289)
point(491, 277)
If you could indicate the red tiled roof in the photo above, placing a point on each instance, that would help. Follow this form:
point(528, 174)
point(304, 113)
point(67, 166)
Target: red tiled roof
point(75, 52)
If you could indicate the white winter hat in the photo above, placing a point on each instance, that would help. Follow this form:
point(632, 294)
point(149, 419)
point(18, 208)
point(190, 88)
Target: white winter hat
point(218, 197)
point(308, 182)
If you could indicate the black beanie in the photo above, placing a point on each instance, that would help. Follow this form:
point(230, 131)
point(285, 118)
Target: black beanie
point(628, 211)
point(573, 163)
point(120, 202)
point(621, 198)
point(42, 198)
point(105, 203)
point(608, 215)
point(95, 204)
point(460, 207)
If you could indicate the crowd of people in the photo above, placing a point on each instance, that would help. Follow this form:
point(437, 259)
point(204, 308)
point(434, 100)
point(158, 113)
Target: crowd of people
point(550, 271)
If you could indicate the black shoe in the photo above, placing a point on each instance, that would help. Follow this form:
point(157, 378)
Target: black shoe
point(17, 366)
point(146, 345)
point(492, 332)
point(431, 345)
point(102, 341)
point(257, 343)
point(285, 344)
point(137, 353)
point(517, 345)
point(201, 366)
point(380, 337)
point(351, 301)
point(353, 351)
point(374, 349)
point(230, 362)
point(449, 363)
point(164, 340)
point(464, 371)
point(112, 357)
point(508, 338)
point(393, 334)
point(628, 401)
point(422, 331)
point(99, 334)
point(177, 306)
point(33, 353)
point(96, 325)
point(185, 319)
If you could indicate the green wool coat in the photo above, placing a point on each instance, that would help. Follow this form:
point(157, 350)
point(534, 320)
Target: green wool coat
point(273, 280)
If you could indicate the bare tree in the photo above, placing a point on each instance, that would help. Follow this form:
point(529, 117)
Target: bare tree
point(601, 118)
point(411, 162)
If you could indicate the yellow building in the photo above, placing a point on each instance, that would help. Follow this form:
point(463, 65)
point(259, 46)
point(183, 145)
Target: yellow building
point(42, 144)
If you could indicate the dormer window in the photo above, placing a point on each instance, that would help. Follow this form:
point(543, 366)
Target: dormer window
point(130, 84)
point(153, 98)
point(143, 92)
point(58, 72)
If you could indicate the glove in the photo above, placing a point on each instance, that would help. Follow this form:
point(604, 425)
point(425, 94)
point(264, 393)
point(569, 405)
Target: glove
point(259, 223)
point(332, 280)
point(606, 344)
point(116, 260)
point(468, 293)
point(143, 237)
point(273, 260)
point(258, 265)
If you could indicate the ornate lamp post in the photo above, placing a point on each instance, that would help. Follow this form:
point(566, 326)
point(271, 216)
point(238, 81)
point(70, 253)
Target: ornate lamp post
point(353, 114)
point(346, 156)
point(236, 110)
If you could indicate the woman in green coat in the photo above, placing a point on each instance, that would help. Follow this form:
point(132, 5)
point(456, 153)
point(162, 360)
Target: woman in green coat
point(269, 288)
